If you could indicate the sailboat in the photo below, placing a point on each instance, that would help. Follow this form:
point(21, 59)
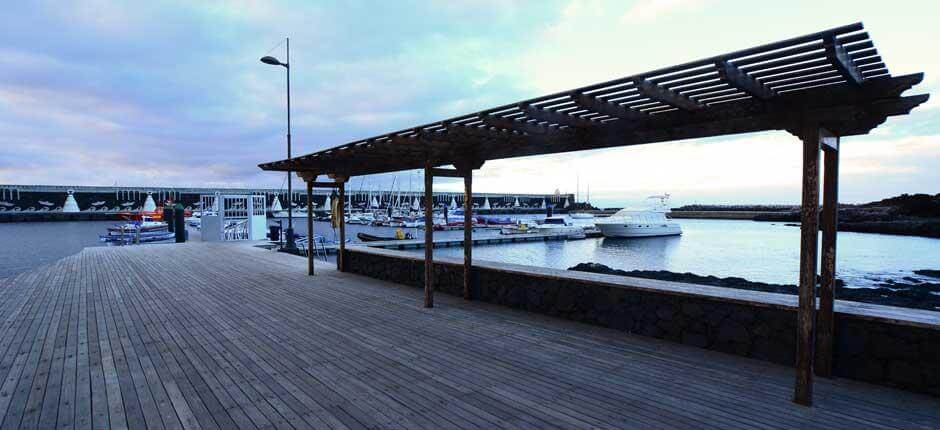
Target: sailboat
point(277, 211)
point(70, 204)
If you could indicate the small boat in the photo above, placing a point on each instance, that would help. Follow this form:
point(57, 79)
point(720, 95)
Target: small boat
point(144, 226)
point(414, 223)
point(558, 224)
point(489, 220)
point(144, 237)
point(520, 228)
point(363, 218)
point(581, 215)
point(399, 235)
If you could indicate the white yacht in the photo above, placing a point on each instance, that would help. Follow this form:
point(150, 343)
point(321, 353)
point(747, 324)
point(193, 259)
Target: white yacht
point(648, 222)
point(559, 225)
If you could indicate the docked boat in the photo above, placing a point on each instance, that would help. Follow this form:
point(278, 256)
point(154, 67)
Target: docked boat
point(145, 226)
point(362, 218)
point(650, 222)
point(146, 230)
point(559, 225)
point(399, 235)
point(518, 228)
point(581, 215)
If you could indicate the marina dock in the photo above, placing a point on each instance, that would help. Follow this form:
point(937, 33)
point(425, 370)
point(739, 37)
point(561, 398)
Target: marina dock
point(228, 335)
point(458, 241)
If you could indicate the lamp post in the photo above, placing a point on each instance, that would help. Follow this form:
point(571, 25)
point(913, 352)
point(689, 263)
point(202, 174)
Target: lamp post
point(289, 232)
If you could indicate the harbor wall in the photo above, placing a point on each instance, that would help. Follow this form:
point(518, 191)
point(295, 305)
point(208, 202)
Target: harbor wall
point(21, 203)
point(878, 344)
point(745, 215)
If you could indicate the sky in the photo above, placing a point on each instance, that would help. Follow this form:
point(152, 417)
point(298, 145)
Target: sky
point(172, 93)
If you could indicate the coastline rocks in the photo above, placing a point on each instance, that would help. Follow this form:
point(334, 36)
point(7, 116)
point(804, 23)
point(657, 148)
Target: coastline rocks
point(928, 273)
point(908, 293)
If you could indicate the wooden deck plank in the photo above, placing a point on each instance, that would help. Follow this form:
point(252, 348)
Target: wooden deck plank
point(239, 337)
point(23, 373)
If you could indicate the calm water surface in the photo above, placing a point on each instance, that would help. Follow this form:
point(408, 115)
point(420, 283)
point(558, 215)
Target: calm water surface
point(758, 251)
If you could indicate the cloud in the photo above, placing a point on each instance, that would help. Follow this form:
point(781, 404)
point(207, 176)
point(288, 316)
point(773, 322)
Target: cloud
point(172, 93)
point(647, 11)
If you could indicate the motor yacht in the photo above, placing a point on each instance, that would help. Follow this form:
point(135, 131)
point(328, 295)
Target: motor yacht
point(649, 222)
point(558, 224)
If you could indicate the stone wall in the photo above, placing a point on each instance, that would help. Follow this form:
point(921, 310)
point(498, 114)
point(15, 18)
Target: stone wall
point(887, 351)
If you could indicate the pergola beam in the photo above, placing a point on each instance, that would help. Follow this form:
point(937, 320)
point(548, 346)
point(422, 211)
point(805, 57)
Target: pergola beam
point(447, 173)
point(607, 108)
point(515, 125)
point(842, 61)
point(540, 114)
point(742, 81)
point(667, 96)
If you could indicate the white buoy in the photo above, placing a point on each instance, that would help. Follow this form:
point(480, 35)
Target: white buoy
point(276, 206)
point(486, 203)
point(374, 203)
point(149, 205)
point(415, 205)
point(70, 204)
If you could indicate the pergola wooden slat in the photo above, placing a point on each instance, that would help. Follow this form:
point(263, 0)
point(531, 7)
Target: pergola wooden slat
point(820, 87)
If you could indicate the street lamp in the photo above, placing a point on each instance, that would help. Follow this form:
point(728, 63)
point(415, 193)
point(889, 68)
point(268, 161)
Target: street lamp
point(267, 59)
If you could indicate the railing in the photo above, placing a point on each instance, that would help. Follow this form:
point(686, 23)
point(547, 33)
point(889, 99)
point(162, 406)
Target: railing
point(236, 230)
point(318, 248)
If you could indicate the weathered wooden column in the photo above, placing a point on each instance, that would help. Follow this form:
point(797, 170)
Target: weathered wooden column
point(310, 238)
point(809, 236)
point(825, 321)
point(428, 235)
point(341, 254)
point(467, 232)
point(308, 179)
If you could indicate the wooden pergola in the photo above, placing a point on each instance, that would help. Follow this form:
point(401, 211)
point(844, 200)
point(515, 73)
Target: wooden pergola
point(819, 87)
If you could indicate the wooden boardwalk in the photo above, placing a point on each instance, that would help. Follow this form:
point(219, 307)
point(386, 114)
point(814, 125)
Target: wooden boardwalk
point(230, 336)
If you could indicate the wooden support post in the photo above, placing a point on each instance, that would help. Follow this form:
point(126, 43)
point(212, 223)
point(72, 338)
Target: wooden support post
point(310, 241)
point(809, 236)
point(428, 235)
point(825, 330)
point(467, 232)
point(341, 255)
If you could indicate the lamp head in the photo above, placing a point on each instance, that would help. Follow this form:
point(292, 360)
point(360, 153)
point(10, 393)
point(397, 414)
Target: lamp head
point(272, 61)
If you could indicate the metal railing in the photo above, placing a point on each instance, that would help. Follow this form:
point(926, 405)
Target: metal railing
point(318, 248)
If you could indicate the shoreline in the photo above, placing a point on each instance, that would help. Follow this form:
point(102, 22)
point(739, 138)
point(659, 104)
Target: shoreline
point(920, 227)
point(906, 292)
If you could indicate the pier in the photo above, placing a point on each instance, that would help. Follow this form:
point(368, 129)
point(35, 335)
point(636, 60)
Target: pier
point(190, 336)
point(492, 239)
